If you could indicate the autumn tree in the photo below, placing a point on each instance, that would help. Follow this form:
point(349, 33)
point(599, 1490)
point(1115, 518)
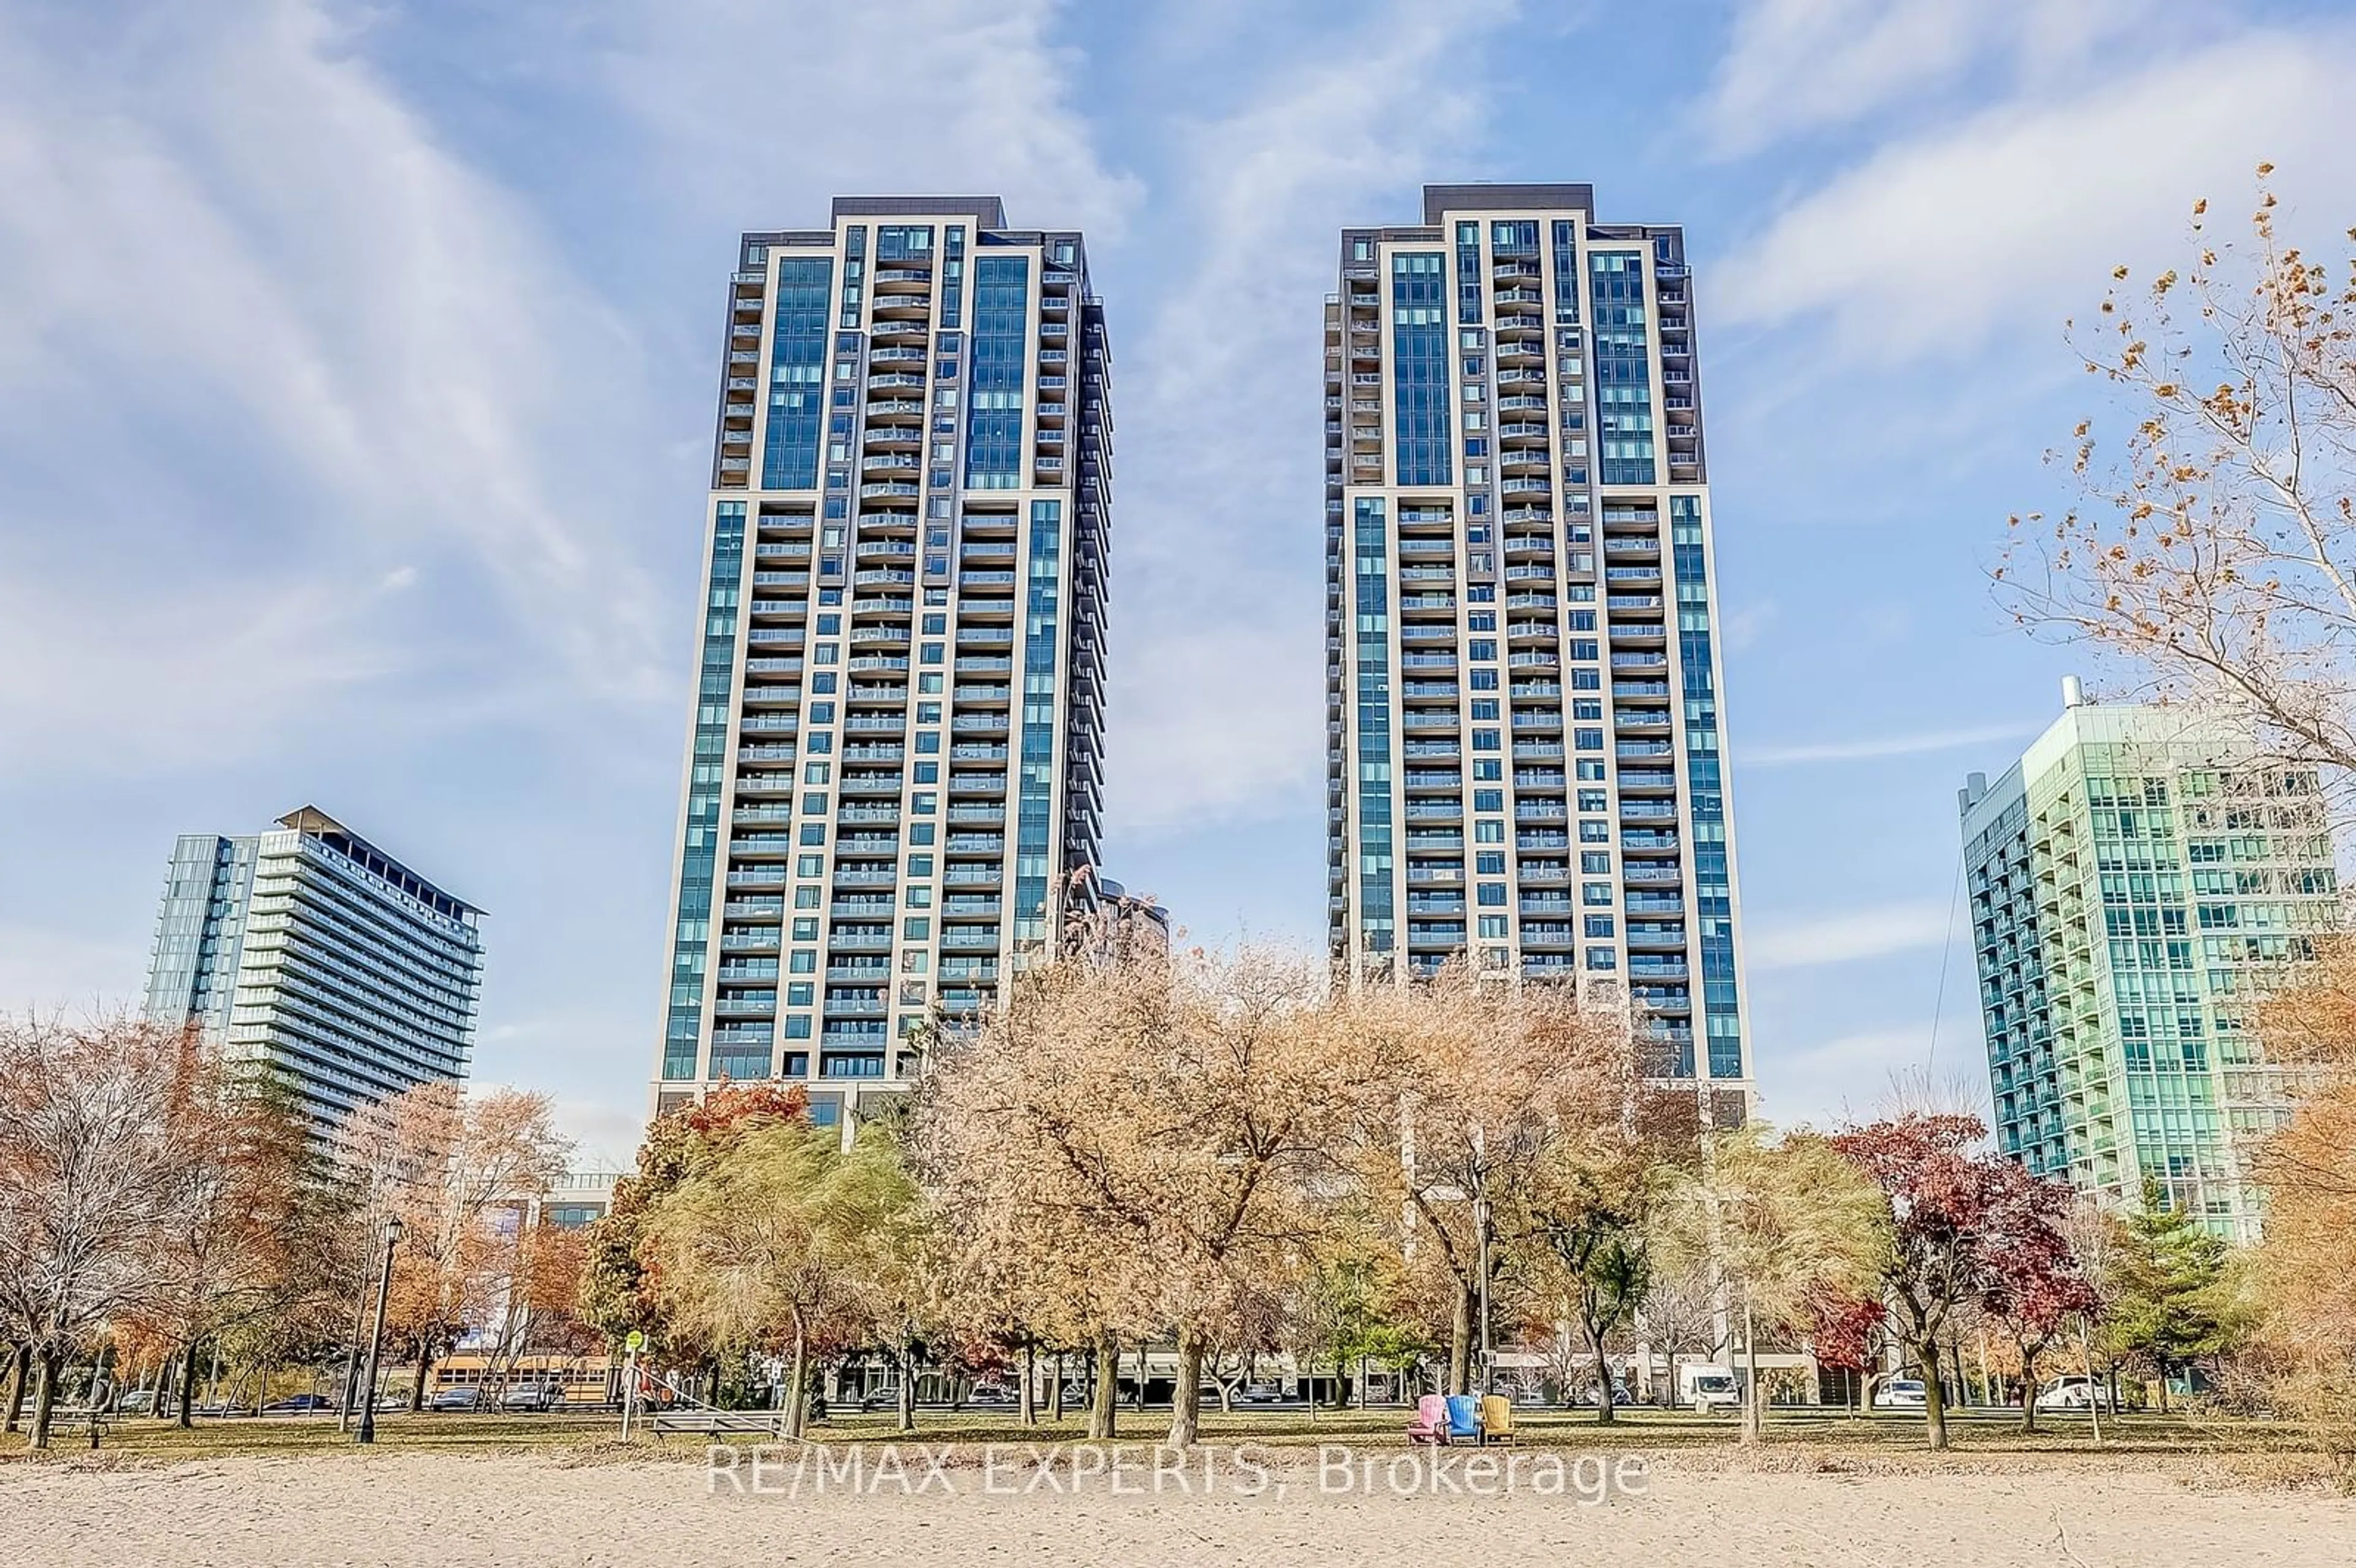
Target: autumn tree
point(1142, 1134)
point(1590, 1205)
point(2306, 1260)
point(93, 1177)
point(1775, 1221)
point(2215, 551)
point(253, 1229)
point(616, 1296)
point(1845, 1333)
point(1478, 1083)
point(771, 1245)
point(460, 1171)
point(2034, 1290)
point(1966, 1225)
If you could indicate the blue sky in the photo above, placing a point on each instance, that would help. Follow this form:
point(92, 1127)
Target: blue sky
point(357, 365)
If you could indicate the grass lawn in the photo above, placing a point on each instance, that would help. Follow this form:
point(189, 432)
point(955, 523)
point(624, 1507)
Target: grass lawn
point(1828, 1434)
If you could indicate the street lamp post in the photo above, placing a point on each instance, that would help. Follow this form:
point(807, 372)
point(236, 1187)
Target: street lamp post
point(376, 1339)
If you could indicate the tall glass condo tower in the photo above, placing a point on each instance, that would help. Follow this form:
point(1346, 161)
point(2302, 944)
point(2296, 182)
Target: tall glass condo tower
point(311, 949)
point(894, 776)
point(1523, 699)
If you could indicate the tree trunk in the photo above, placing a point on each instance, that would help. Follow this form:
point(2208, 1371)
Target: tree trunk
point(798, 1382)
point(1934, 1398)
point(186, 1415)
point(1186, 1399)
point(1751, 1392)
point(2028, 1389)
point(45, 1398)
point(20, 1383)
point(907, 1399)
point(1460, 1341)
point(1104, 1398)
point(1056, 1400)
point(417, 1382)
point(1030, 1384)
point(1603, 1414)
point(2094, 1392)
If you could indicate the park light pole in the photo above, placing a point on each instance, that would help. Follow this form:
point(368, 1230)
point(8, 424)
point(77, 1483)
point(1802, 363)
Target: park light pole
point(376, 1339)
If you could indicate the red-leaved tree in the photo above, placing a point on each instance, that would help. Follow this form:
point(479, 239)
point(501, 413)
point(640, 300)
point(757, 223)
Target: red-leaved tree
point(1966, 1226)
point(1844, 1331)
point(2035, 1287)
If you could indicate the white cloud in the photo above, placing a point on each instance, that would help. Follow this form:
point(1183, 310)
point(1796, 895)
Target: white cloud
point(1219, 671)
point(964, 97)
point(2014, 216)
point(270, 339)
point(1796, 66)
point(194, 675)
point(1868, 748)
point(1771, 943)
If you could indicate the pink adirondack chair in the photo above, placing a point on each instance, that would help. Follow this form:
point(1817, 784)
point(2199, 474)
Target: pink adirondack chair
point(1430, 1421)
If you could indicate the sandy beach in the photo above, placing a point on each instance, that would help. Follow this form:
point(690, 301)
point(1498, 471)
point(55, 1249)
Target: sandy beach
point(413, 1511)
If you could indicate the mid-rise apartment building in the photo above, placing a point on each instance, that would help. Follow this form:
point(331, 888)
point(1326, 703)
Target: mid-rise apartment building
point(2133, 880)
point(895, 775)
point(1523, 699)
point(312, 950)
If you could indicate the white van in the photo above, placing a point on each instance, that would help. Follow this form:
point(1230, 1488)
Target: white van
point(1708, 1388)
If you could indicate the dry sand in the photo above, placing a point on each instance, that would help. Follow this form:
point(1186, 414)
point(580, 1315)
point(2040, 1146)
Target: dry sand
point(413, 1511)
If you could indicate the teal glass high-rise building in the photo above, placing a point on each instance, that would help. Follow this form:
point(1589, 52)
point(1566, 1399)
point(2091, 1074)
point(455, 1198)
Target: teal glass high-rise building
point(895, 775)
point(314, 951)
point(1524, 701)
point(2136, 879)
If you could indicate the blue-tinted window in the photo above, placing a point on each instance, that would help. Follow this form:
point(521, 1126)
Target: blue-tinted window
point(952, 283)
point(1565, 271)
point(905, 242)
point(691, 931)
point(1035, 825)
point(1623, 381)
point(1419, 368)
point(1001, 323)
point(797, 374)
point(1377, 912)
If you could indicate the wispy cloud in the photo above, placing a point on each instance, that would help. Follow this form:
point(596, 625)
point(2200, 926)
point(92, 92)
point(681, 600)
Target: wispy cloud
point(345, 352)
point(988, 94)
point(1771, 943)
point(1218, 711)
point(1797, 66)
point(1994, 220)
point(1872, 747)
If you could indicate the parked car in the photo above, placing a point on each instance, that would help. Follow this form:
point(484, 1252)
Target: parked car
point(2077, 1391)
point(457, 1399)
point(1901, 1394)
point(1592, 1392)
point(138, 1401)
point(1261, 1394)
point(538, 1397)
point(298, 1404)
point(990, 1394)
